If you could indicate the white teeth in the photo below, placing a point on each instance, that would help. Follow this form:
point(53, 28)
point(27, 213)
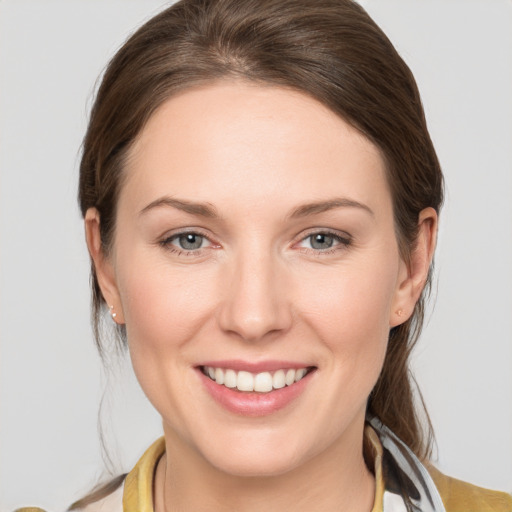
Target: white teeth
point(263, 382)
point(278, 381)
point(245, 381)
point(299, 374)
point(290, 377)
point(229, 379)
point(260, 382)
point(219, 376)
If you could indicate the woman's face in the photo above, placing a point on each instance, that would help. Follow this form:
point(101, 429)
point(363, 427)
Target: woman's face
point(255, 241)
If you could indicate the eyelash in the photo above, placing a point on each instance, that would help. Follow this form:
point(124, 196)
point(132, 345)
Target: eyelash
point(166, 243)
point(343, 241)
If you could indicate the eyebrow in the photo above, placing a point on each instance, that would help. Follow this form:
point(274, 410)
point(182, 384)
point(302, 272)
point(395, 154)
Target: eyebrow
point(324, 206)
point(209, 211)
point(201, 209)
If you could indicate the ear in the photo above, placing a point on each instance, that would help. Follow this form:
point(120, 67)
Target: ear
point(412, 277)
point(105, 272)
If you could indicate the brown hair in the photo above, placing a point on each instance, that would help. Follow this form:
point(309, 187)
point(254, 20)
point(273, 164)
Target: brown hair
point(328, 49)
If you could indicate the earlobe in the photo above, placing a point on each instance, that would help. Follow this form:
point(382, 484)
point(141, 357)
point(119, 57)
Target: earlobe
point(102, 265)
point(414, 275)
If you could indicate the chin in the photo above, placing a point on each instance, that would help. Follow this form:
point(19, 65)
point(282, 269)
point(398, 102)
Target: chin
point(255, 458)
point(261, 467)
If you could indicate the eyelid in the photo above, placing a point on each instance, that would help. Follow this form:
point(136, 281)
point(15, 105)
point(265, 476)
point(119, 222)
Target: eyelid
point(166, 240)
point(324, 231)
point(343, 238)
point(173, 233)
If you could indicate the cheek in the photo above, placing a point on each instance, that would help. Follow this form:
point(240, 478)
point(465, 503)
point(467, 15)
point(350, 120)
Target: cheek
point(349, 311)
point(353, 300)
point(164, 308)
point(162, 300)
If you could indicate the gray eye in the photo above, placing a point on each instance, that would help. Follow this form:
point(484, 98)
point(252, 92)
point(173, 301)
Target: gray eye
point(321, 241)
point(190, 241)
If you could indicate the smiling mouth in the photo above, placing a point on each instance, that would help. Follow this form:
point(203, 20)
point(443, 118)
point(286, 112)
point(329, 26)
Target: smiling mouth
point(262, 382)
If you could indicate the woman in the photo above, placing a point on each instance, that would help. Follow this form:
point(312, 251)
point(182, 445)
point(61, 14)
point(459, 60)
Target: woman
point(261, 196)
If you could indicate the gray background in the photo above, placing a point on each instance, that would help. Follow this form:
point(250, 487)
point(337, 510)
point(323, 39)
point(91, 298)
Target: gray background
point(51, 383)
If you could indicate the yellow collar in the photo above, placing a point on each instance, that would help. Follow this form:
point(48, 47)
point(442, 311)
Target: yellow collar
point(138, 486)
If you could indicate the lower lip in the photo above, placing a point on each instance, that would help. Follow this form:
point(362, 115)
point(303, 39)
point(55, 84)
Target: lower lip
point(254, 404)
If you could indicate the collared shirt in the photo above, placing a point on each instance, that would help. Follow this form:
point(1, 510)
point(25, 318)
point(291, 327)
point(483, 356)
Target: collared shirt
point(399, 476)
point(136, 495)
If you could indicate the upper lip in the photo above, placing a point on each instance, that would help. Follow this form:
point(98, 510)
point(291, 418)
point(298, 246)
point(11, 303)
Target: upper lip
point(255, 367)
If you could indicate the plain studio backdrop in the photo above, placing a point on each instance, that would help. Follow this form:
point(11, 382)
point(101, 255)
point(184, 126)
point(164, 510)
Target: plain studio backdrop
point(51, 53)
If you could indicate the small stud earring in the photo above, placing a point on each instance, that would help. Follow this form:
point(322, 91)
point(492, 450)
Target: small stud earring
point(400, 312)
point(112, 314)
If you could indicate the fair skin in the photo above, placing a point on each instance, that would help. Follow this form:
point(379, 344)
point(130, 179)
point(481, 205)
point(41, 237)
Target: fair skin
point(255, 229)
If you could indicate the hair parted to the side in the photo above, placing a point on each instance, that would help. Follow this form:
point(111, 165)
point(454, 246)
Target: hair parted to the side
point(330, 50)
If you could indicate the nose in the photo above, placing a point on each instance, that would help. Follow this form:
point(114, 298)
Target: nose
point(255, 305)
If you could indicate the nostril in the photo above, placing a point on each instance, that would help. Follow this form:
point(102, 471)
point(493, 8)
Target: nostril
point(254, 306)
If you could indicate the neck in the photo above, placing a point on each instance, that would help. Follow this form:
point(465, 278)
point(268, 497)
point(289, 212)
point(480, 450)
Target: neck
point(337, 479)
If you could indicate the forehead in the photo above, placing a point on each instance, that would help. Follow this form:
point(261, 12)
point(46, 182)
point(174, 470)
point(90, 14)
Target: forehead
point(234, 141)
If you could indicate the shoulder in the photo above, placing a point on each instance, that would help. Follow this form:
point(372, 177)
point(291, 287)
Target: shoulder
point(459, 496)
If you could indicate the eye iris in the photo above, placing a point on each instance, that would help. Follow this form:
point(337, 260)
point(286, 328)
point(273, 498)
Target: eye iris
point(321, 241)
point(190, 241)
